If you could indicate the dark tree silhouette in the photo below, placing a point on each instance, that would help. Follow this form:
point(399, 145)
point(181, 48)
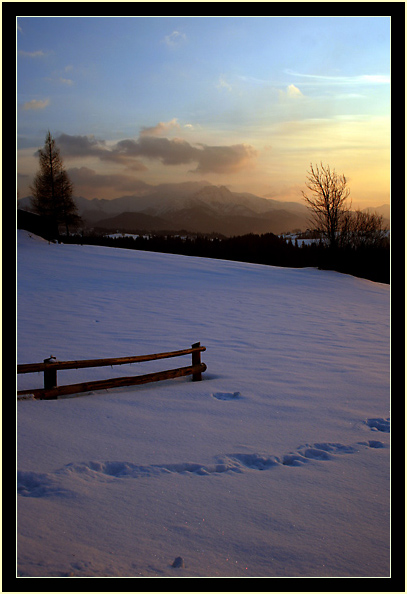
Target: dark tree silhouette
point(52, 189)
point(327, 202)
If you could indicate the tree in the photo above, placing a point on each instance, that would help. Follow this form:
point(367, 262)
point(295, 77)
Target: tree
point(363, 229)
point(327, 202)
point(52, 189)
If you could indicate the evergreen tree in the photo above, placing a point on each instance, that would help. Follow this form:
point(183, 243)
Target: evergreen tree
point(52, 189)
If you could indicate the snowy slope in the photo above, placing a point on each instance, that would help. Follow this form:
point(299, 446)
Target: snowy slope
point(276, 464)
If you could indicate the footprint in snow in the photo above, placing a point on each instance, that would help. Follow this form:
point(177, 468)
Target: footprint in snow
point(32, 484)
point(226, 395)
point(37, 484)
point(379, 425)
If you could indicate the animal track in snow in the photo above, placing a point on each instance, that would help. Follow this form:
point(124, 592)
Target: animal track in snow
point(32, 484)
point(379, 425)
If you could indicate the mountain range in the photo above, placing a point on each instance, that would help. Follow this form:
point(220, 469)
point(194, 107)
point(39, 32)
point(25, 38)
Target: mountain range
point(196, 207)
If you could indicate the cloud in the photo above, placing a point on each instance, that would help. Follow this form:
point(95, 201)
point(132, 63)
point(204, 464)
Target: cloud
point(81, 146)
point(225, 159)
point(161, 128)
point(66, 81)
point(348, 135)
point(362, 79)
point(208, 159)
point(378, 79)
point(293, 91)
point(36, 54)
point(253, 80)
point(175, 39)
point(84, 177)
point(89, 146)
point(170, 152)
point(222, 84)
point(290, 94)
point(36, 104)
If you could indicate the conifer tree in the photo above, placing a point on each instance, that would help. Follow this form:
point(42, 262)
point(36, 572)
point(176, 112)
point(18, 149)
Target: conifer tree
point(52, 189)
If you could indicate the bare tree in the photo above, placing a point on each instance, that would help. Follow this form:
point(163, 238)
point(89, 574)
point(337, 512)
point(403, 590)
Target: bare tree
point(363, 229)
point(52, 189)
point(327, 202)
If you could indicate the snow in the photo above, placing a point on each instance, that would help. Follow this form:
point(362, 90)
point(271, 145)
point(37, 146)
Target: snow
point(276, 464)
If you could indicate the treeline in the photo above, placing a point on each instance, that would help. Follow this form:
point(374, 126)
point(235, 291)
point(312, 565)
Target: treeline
point(366, 261)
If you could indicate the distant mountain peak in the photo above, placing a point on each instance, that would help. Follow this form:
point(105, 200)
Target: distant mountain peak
point(219, 192)
point(195, 206)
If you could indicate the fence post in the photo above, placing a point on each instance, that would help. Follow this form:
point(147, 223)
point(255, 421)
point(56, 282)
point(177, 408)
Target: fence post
point(196, 360)
point(50, 375)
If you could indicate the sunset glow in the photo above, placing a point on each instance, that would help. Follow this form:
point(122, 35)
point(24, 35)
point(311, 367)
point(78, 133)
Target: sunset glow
point(246, 102)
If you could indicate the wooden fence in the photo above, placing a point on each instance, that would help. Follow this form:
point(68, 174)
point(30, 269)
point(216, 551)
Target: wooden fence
point(50, 367)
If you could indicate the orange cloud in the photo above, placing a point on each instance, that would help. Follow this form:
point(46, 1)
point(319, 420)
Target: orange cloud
point(161, 128)
point(291, 92)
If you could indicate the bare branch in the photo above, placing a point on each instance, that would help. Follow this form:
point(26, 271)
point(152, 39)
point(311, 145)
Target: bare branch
point(327, 201)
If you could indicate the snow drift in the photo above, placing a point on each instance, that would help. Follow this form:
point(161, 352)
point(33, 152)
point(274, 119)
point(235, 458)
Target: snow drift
point(276, 464)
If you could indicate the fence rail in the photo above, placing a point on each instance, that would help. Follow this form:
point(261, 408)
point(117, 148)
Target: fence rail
point(50, 367)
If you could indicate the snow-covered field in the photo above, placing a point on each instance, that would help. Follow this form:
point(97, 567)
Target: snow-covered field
point(276, 464)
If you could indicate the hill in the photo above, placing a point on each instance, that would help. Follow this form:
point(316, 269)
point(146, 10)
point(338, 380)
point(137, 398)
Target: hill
point(276, 464)
point(201, 219)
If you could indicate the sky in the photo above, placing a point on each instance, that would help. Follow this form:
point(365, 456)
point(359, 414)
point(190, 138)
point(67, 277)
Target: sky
point(244, 102)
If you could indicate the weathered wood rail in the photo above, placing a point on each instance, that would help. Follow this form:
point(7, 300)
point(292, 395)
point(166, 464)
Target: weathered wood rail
point(50, 367)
